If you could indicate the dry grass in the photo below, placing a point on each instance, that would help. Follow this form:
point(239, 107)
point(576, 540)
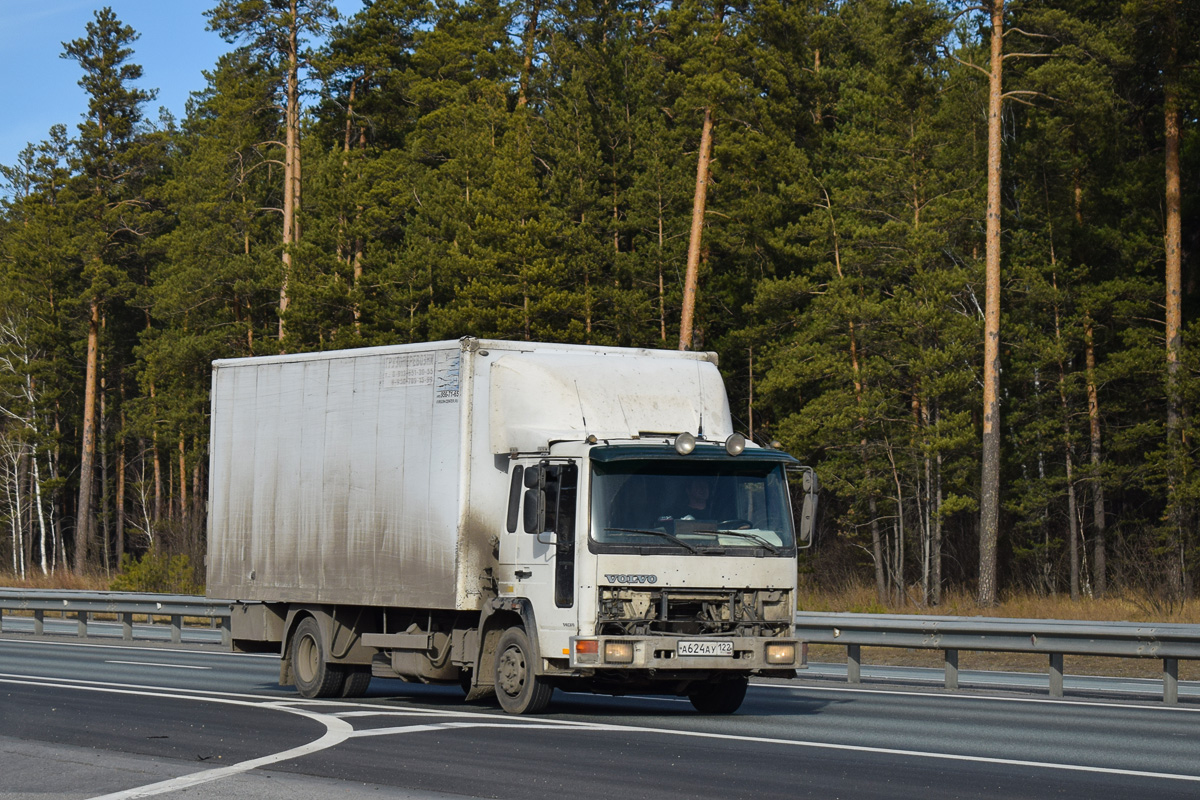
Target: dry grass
point(62, 579)
point(860, 598)
point(1127, 607)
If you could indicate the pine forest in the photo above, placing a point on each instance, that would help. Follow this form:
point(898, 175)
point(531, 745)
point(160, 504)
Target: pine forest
point(948, 252)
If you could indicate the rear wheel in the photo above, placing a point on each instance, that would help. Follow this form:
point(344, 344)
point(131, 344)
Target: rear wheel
point(357, 681)
point(517, 688)
point(719, 698)
point(314, 676)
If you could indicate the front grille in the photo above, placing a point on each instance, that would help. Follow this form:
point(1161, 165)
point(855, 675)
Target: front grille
point(747, 612)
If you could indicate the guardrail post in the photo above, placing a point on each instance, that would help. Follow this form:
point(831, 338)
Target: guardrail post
point(39, 622)
point(853, 663)
point(226, 633)
point(127, 626)
point(1171, 680)
point(951, 669)
point(1056, 674)
point(176, 628)
point(1, 619)
point(83, 621)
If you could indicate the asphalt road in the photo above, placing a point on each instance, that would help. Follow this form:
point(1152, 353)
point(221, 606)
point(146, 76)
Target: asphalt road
point(87, 720)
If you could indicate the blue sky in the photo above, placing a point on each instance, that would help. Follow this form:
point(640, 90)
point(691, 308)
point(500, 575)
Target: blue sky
point(39, 89)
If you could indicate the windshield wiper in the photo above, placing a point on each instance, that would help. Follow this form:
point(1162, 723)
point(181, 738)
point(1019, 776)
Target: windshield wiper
point(662, 534)
point(754, 537)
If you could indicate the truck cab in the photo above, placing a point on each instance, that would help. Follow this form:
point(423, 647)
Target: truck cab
point(656, 564)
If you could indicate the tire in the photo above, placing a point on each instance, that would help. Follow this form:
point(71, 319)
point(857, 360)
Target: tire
point(357, 681)
point(719, 698)
point(517, 688)
point(314, 677)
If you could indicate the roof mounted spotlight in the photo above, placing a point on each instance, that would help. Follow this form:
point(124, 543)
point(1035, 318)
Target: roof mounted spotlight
point(685, 443)
point(735, 444)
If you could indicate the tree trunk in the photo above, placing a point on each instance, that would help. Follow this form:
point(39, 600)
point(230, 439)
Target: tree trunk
point(881, 589)
point(662, 296)
point(105, 499)
point(291, 166)
point(936, 556)
point(43, 535)
point(1172, 245)
point(989, 513)
point(529, 40)
point(183, 477)
point(1099, 523)
point(687, 318)
point(119, 503)
point(1073, 521)
point(83, 511)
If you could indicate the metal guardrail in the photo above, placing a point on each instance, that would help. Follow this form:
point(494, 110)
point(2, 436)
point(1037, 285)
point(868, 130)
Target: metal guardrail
point(1054, 638)
point(84, 606)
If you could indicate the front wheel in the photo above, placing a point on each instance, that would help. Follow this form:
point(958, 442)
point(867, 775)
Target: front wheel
point(517, 688)
point(314, 676)
point(719, 698)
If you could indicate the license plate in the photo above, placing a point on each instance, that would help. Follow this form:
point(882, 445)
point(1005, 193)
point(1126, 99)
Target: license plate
point(694, 648)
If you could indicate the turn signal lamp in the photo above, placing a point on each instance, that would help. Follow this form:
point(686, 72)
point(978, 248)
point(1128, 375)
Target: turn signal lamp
point(587, 650)
point(781, 653)
point(618, 652)
point(685, 443)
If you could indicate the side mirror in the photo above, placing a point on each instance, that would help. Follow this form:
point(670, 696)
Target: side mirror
point(810, 488)
point(535, 499)
point(535, 477)
point(535, 510)
point(547, 537)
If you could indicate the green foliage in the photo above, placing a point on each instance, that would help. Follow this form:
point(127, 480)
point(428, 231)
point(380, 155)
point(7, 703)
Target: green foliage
point(155, 571)
point(525, 171)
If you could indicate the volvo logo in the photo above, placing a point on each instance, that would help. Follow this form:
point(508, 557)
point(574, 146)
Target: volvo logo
point(631, 578)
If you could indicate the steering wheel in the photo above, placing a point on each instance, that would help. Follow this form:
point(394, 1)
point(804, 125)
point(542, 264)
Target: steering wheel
point(735, 524)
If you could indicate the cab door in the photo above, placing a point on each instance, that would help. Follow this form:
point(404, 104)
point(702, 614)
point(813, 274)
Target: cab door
point(537, 547)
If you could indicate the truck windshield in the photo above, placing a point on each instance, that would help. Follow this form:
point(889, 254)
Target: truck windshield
point(701, 507)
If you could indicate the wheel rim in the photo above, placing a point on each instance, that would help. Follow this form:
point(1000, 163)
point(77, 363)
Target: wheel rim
point(307, 659)
point(512, 671)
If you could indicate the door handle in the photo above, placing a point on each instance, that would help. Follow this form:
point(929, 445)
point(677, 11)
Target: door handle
point(523, 573)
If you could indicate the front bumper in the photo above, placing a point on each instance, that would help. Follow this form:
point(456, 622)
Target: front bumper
point(742, 653)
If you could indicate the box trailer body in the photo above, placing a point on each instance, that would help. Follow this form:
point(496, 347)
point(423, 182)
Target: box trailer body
point(488, 512)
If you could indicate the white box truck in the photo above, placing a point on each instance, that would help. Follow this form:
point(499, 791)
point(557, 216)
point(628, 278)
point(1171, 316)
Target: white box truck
point(511, 516)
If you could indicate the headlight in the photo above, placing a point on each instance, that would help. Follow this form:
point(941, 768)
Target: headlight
point(781, 653)
point(618, 652)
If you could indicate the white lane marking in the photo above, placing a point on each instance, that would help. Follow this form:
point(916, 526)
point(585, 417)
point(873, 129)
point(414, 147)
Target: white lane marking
point(980, 697)
point(156, 664)
point(540, 725)
point(600, 727)
point(337, 731)
point(345, 727)
point(1011, 762)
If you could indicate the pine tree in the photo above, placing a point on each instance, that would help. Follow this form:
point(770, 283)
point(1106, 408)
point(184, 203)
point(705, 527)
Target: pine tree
point(113, 162)
point(276, 32)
